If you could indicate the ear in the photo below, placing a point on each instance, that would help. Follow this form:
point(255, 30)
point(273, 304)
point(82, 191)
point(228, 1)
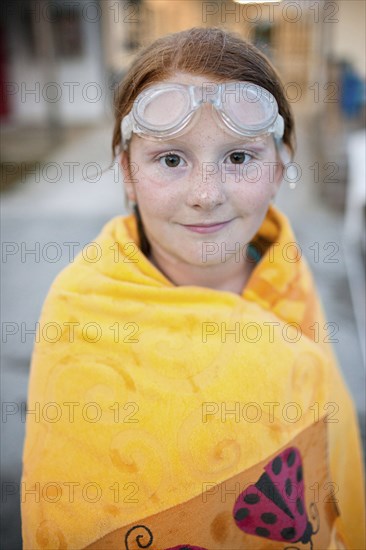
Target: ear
point(124, 163)
point(277, 175)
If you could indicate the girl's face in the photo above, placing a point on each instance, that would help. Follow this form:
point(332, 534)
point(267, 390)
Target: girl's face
point(206, 176)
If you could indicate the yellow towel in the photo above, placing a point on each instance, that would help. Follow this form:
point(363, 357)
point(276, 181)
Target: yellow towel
point(163, 416)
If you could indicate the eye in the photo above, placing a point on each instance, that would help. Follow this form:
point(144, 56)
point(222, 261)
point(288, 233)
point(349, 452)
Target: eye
point(170, 160)
point(239, 157)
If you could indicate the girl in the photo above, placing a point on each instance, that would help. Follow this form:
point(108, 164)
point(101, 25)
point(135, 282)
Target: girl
point(187, 404)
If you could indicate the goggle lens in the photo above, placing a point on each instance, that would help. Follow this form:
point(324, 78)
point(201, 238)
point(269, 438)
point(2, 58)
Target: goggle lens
point(163, 109)
point(251, 107)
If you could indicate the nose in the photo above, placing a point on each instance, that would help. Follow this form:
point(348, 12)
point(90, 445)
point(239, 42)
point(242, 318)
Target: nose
point(206, 189)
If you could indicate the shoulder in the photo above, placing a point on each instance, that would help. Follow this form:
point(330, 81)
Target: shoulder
point(97, 259)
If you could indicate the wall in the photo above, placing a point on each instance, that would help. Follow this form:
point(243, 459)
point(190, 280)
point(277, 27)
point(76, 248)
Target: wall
point(348, 40)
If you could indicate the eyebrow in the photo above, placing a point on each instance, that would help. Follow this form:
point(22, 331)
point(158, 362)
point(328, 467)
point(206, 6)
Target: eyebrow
point(243, 143)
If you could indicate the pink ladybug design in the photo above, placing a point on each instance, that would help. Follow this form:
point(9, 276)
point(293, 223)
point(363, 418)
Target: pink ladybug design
point(274, 507)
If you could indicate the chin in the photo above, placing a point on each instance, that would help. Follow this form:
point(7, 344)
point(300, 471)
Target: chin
point(205, 255)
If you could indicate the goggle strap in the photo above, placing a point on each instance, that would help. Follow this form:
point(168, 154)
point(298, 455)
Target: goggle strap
point(127, 127)
point(279, 127)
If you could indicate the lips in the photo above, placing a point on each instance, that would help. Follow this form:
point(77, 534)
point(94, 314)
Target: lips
point(207, 228)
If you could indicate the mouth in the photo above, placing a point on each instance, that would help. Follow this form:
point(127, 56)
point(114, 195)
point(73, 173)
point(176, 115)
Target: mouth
point(207, 227)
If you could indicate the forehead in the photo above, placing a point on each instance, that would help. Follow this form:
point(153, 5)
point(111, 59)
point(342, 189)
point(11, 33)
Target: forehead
point(202, 138)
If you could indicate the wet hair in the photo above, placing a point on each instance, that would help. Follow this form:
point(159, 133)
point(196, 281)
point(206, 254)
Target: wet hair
point(205, 51)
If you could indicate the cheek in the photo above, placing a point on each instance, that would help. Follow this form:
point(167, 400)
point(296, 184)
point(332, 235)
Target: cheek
point(255, 187)
point(156, 197)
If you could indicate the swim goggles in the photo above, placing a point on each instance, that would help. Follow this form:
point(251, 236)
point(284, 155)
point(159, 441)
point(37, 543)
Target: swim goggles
point(167, 110)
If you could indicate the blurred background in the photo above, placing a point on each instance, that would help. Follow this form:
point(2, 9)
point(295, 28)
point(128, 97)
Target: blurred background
point(60, 63)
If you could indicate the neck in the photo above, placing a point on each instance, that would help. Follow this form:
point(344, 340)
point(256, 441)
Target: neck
point(229, 276)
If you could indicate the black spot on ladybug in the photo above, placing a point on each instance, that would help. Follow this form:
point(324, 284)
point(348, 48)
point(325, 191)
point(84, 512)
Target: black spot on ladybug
point(288, 533)
point(291, 459)
point(288, 487)
point(299, 506)
point(299, 474)
point(241, 514)
point(251, 498)
point(262, 532)
point(269, 518)
point(277, 465)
